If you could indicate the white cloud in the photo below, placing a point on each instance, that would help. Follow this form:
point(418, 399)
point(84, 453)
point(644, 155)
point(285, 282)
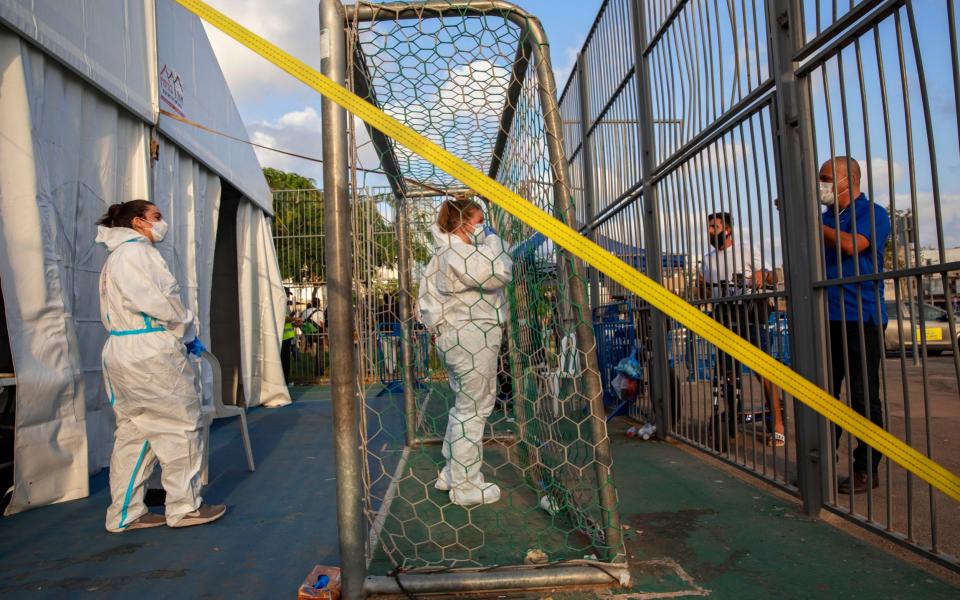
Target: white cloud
point(926, 217)
point(297, 131)
point(479, 88)
point(563, 65)
point(880, 171)
point(291, 24)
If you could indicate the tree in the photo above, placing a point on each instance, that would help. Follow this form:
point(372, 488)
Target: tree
point(281, 180)
point(299, 227)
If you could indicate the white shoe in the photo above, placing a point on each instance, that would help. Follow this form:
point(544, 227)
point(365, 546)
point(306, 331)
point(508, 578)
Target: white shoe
point(471, 495)
point(146, 521)
point(207, 513)
point(443, 481)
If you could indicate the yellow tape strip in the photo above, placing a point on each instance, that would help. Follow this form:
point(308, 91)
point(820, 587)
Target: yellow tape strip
point(657, 295)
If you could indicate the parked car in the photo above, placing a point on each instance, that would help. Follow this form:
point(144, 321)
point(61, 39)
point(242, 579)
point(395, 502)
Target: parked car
point(935, 322)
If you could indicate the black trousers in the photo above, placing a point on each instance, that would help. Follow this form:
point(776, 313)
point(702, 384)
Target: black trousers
point(286, 349)
point(321, 355)
point(847, 363)
point(749, 321)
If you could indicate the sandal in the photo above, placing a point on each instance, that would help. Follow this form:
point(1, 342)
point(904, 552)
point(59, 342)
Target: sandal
point(777, 440)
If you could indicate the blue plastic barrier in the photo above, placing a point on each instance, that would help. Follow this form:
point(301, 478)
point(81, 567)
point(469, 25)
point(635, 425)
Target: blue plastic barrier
point(695, 353)
point(779, 341)
point(390, 357)
point(616, 334)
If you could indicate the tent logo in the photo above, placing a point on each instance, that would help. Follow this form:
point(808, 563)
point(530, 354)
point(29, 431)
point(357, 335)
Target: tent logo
point(171, 90)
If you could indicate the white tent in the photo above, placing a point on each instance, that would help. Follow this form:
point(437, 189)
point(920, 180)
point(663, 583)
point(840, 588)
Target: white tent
point(80, 129)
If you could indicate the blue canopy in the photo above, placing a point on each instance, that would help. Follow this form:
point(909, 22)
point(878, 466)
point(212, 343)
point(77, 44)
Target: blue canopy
point(636, 256)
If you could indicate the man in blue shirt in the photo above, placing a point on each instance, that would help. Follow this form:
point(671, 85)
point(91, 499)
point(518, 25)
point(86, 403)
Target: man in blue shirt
point(855, 232)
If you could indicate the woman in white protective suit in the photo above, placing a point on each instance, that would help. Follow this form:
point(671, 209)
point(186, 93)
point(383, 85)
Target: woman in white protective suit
point(461, 300)
point(147, 376)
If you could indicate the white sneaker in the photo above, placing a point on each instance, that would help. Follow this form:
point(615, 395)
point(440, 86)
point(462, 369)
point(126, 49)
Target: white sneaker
point(443, 480)
point(469, 496)
point(207, 513)
point(146, 521)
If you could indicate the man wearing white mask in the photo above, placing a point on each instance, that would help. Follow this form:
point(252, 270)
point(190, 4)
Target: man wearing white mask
point(461, 300)
point(149, 382)
point(855, 233)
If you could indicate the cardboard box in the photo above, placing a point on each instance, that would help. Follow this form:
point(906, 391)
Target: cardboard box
point(331, 592)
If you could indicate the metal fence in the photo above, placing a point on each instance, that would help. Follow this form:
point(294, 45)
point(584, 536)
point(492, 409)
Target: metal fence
point(298, 229)
point(677, 112)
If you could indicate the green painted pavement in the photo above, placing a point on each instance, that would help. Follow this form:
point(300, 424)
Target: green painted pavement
point(687, 518)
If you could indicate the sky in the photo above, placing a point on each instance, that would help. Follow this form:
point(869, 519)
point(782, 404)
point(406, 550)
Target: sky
point(846, 121)
point(281, 112)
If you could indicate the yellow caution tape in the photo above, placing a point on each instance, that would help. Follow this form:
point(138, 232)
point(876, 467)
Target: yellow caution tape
point(644, 287)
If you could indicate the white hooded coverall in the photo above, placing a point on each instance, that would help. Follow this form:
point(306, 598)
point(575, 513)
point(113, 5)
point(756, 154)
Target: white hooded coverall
point(461, 300)
point(148, 380)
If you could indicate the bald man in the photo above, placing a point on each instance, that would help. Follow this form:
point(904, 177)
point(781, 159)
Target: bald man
point(855, 232)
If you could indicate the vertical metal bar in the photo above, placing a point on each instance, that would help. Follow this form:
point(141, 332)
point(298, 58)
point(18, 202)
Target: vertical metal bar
point(803, 251)
point(935, 185)
point(912, 244)
point(586, 345)
point(338, 247)
point(888, 146)
point(408, 344)
point(589, 178)
point(660, 371)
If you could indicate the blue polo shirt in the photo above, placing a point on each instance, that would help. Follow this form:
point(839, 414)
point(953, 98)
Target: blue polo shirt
point(869, 292)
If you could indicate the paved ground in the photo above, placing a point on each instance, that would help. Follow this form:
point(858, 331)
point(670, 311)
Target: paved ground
point(281, 522)
point(903, 505)
point(906, 507)
point(693, 528)
point(738, 541)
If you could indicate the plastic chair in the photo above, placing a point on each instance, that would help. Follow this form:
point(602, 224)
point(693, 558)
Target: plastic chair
point(218, 410)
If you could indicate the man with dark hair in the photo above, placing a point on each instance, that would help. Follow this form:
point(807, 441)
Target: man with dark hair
point(730, 275)
point(855, 232)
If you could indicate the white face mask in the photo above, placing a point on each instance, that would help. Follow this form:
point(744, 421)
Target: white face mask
point(827, 197)
point(478, 235)
point(158, 229)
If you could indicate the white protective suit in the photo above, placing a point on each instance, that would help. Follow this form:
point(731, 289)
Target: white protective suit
point(149, 380)
point(462, 301)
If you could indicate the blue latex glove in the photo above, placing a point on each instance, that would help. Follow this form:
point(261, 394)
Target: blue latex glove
point(487, 230)
point(529, 245)
point(195, 347)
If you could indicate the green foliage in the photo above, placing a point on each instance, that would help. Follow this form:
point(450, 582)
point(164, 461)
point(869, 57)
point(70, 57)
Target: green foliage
point(298, 235)
point(281, 180)
point(298, 231)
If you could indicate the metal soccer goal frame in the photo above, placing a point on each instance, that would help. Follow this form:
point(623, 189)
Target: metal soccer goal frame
point(355, 542)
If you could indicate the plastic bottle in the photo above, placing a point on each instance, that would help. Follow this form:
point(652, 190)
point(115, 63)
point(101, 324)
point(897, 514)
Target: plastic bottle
point(548, 504)
point(647, 431)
